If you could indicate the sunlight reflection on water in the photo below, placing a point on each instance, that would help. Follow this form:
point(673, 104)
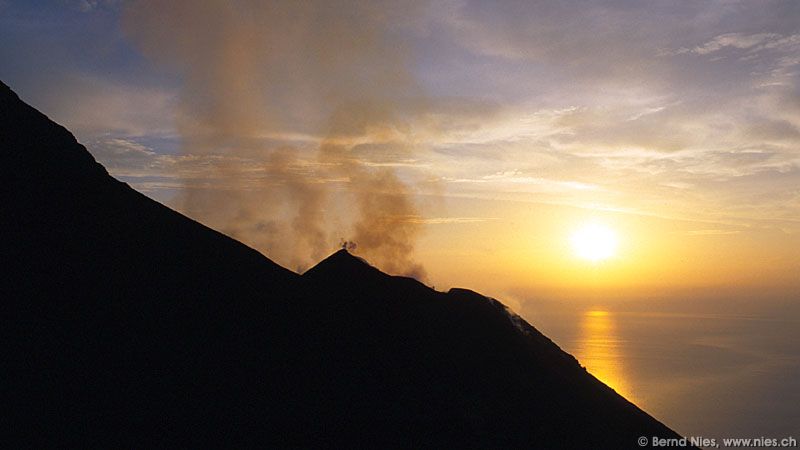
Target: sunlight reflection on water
point(598, 349)
point(711, 369)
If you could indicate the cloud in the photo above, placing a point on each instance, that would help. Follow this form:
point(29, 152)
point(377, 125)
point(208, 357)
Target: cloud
point(516, 177)
point(453, 220)
point(87, 6)
point(92, 106)
point(712, 232)
point(736, 40)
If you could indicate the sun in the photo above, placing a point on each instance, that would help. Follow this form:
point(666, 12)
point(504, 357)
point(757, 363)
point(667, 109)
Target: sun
point(594, 242)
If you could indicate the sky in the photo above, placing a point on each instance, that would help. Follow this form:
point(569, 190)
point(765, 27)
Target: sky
point(461, 142)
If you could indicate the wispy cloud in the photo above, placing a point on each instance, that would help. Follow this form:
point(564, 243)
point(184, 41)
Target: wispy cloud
point(87, 6)
point(712, 232)
point(736, 40)
point(454, 220)
point(92, 106)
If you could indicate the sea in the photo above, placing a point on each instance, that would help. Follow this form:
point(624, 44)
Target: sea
point(716, 370)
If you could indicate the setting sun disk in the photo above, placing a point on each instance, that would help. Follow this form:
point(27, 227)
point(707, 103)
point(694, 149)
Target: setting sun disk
point(594, 242)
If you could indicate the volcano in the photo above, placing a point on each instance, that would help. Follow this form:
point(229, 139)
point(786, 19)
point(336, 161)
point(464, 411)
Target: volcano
point(127, 324)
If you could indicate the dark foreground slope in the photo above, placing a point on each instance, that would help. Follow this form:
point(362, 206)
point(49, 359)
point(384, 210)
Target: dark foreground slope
point(121, 318)
point(127, 324)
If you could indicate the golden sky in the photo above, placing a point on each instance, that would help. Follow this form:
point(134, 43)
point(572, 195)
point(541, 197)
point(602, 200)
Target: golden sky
point(462, 141)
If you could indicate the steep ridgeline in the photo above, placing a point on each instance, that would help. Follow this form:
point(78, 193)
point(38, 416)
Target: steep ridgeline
point(126, 324)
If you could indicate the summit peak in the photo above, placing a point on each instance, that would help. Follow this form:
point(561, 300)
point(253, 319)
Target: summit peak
point(342, 263)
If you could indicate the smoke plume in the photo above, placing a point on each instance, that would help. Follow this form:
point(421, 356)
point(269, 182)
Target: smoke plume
point(290, 100)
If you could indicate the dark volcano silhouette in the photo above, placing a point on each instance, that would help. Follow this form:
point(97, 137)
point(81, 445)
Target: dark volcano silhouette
point(126, 324)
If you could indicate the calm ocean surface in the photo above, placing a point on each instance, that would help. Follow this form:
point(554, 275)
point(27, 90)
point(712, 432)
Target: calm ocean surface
point(708, 372)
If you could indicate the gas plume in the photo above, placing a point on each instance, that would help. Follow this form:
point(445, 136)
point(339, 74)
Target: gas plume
point(294, 98)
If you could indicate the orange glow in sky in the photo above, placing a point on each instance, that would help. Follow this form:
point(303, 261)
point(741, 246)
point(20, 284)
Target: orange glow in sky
point(652, 150)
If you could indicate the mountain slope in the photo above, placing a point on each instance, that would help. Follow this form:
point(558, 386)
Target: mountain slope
point(461, 367)
point(128, 324)
point(118, 313)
